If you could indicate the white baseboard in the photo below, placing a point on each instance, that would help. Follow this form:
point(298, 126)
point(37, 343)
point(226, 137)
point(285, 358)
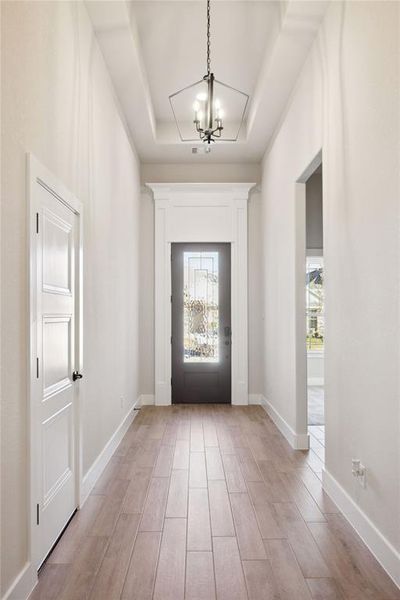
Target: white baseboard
point(315, 381)
point(93, 474)
point(381, 548)
point(298, 441)
point(146, 399)
point(23, 584)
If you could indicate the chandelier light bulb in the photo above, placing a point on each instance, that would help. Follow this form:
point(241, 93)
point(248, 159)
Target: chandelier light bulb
point(196, 106)
point(202, 97)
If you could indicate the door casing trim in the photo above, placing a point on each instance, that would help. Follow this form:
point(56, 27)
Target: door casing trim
point(301, 393)
point(36, 173)
point(200, 212)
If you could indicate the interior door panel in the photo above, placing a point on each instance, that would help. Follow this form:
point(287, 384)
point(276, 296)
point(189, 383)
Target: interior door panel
point(56, 309)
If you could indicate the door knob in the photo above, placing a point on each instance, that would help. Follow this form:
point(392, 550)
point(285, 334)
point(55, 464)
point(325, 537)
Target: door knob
point(76, 375)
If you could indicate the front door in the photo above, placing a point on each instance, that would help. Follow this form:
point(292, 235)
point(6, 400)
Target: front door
point(56, 258)
point(201, 323)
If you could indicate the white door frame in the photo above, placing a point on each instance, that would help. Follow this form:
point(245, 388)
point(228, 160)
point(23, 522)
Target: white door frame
point(303, 442)
point(38, 174)
point(200, 212)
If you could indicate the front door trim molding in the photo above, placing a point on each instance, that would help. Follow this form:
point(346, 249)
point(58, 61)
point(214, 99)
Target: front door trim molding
point(200, 212)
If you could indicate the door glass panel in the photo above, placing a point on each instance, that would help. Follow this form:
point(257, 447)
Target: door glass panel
point(201, 308)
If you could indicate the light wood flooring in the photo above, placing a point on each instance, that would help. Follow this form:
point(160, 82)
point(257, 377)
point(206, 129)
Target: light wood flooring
point(205, 503)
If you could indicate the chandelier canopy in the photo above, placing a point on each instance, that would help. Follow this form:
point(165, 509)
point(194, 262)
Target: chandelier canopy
point(200, 107)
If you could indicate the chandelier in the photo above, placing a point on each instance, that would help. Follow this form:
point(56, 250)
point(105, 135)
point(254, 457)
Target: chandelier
point(199, 108)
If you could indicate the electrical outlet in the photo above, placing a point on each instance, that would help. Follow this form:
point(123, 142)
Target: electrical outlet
point(359, 471)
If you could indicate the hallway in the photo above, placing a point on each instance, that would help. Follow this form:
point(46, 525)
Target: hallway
point(204, 502)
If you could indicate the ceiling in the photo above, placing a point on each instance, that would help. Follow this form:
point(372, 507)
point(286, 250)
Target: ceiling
point(173, 41)
point(156, 47)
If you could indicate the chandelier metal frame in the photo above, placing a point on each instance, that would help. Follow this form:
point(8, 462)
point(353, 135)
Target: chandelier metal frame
point(213, 127)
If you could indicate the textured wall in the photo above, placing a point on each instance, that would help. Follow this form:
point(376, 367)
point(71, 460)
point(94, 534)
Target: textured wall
point(346, 102)
point(57, 102)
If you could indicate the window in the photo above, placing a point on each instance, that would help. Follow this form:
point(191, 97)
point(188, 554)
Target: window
point(315, 303)
point(201, 308)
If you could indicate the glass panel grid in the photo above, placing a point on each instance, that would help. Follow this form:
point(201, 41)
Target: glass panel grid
point(201, 307)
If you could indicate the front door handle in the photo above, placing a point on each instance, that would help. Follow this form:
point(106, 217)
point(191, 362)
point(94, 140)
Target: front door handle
point(227, 331)
point(76, 375)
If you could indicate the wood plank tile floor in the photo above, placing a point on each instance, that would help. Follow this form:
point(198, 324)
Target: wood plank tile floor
point(210, 503)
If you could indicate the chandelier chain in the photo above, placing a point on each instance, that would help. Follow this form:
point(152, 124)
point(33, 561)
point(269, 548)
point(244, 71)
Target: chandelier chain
point(208, 38)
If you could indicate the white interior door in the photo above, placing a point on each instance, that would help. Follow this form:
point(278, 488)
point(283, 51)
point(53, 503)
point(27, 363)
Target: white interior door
point(55, 331)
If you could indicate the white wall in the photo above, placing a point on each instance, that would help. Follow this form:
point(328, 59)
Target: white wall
point(57, 103)
point(146, 322)
point(346, 101)
point(201, 170)
point(254, 275)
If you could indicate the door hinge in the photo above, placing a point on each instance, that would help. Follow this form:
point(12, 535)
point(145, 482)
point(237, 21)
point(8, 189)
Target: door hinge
point(37, 514)
point(171, 382)
point(37, 368)
point(171, 340)
point(171, 298)
point(37, 222)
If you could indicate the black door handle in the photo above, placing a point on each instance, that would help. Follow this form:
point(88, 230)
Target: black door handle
point(76, 375)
